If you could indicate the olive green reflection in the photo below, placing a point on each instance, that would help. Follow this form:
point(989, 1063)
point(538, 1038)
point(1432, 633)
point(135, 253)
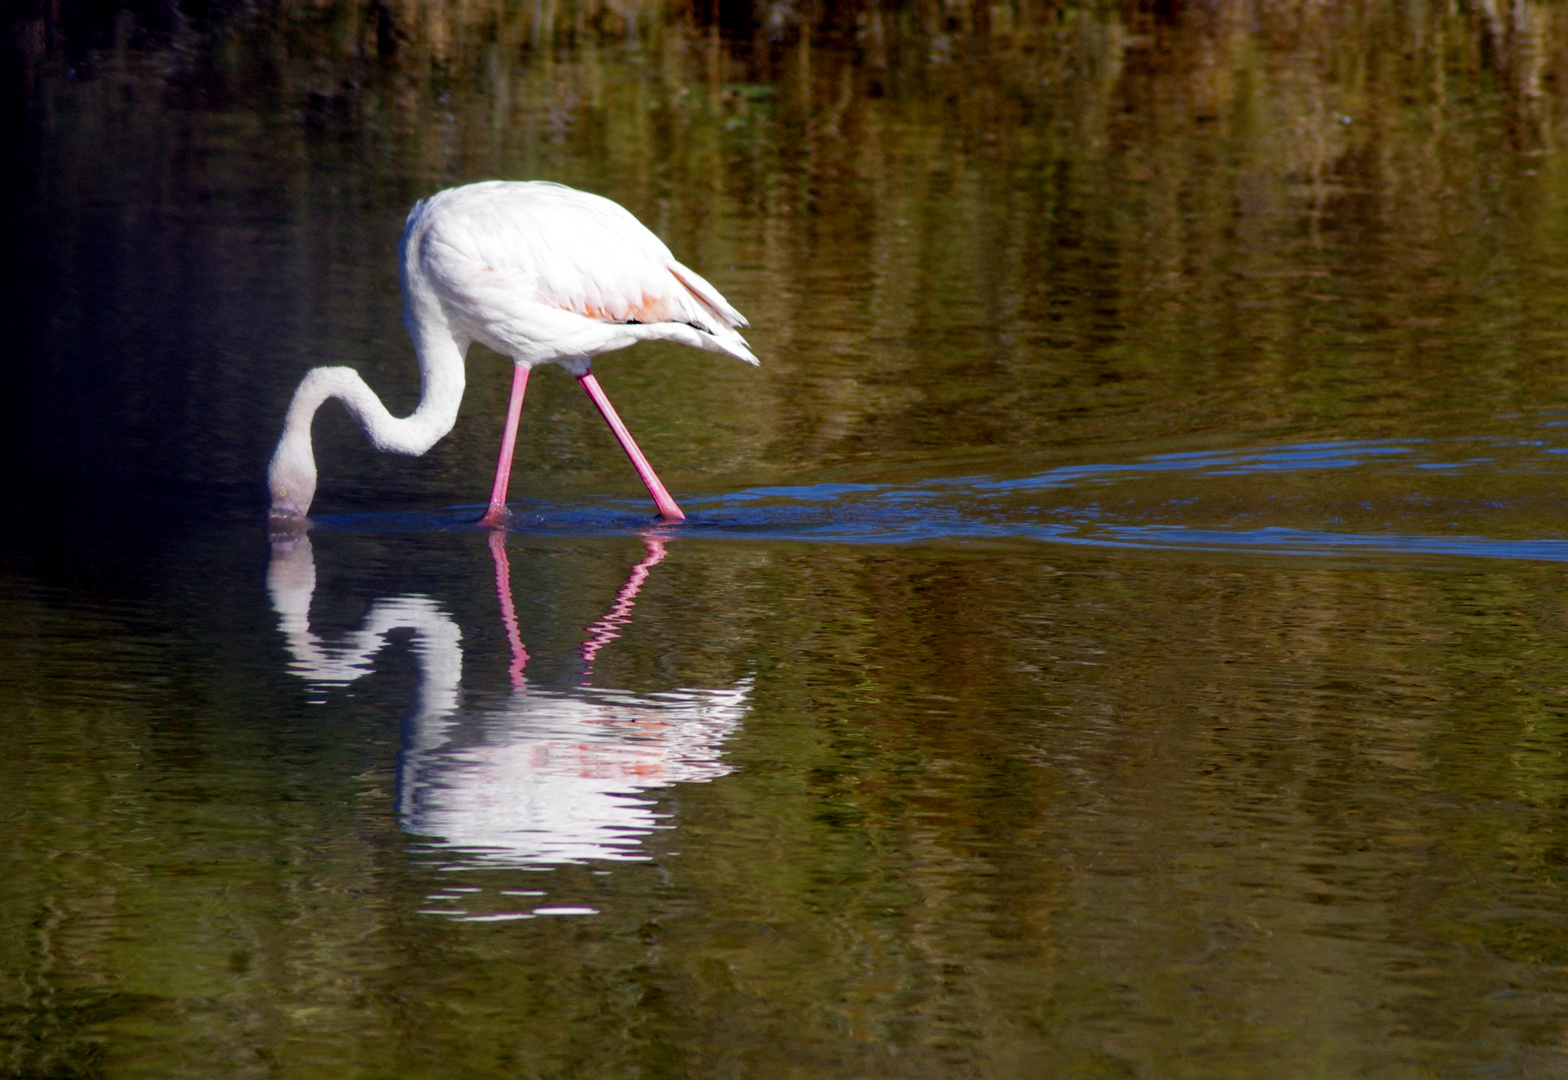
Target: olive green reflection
point(985, 813)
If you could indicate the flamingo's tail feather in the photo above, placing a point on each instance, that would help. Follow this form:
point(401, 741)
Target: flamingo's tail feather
point(706, 295)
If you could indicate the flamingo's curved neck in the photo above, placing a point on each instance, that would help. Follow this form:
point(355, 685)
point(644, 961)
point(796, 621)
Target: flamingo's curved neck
point(291, 475)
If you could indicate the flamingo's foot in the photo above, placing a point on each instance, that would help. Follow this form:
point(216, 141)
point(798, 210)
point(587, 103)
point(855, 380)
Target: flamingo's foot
point(497, 517)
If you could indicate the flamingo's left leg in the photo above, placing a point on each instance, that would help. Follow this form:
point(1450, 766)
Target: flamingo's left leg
point(497, 515)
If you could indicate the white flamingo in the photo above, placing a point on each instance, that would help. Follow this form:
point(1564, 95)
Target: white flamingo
point(537, 271)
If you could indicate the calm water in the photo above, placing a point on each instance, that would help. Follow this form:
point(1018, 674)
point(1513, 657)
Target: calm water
point(1121, 630)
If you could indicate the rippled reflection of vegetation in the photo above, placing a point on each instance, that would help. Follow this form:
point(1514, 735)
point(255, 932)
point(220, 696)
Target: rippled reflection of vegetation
point(988, 814)
point(982, 233)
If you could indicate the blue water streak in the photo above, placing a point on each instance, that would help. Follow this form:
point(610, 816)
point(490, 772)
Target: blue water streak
point(984, 508)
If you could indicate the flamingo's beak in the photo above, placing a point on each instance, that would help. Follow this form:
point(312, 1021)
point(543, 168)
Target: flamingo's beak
point(285, 524)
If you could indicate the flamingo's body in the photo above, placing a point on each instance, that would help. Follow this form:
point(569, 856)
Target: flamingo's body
point(537, 271)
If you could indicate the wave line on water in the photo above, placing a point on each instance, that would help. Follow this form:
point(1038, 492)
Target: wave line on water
point(1038, 508)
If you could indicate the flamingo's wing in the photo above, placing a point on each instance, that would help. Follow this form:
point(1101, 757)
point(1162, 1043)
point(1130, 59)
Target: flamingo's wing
point(493, 247)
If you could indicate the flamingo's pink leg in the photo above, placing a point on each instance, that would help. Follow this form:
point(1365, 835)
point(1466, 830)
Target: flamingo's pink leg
point(497, 516)
point(503, 592)
point(603, 632)
point(667, 508)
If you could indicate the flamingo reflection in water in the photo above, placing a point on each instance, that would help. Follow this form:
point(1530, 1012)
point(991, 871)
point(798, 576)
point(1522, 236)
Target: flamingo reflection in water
point(552, 776)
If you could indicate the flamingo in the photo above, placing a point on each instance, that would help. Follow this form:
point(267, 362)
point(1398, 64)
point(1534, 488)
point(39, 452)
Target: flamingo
point(537, 271)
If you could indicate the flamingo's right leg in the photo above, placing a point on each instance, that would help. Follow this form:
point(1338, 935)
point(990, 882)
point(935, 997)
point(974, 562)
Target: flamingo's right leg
point(498, 515)
point(650, 479)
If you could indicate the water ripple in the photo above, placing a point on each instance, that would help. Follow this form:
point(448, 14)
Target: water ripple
point(1112, 504)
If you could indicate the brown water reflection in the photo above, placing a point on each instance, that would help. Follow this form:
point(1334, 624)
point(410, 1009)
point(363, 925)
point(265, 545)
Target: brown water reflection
point(1000, 804)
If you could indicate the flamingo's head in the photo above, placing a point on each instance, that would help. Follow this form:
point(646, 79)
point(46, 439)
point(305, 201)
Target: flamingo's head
point(291, 479)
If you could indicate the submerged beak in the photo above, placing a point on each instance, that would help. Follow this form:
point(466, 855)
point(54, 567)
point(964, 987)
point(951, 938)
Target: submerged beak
point(285, 525)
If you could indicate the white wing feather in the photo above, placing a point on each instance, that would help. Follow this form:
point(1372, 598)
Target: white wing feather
point(545, 272)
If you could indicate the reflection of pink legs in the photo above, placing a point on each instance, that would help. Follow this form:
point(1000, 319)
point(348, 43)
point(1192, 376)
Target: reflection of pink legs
point(497, 516)
point(603, 632)
point(599, 634)
point(667, 508)
point(503, 592)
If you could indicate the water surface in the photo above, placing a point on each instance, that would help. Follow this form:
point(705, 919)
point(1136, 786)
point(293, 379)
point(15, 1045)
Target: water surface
point(1119, 630)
